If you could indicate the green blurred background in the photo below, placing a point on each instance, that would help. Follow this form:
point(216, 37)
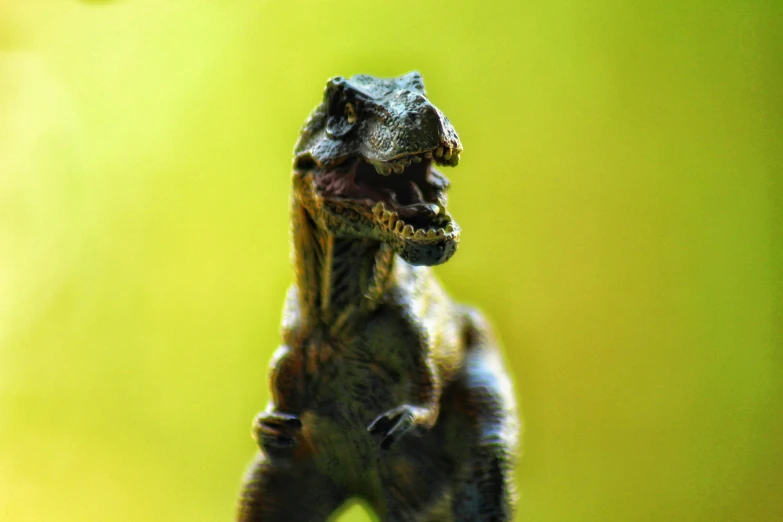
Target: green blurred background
point(620, 195)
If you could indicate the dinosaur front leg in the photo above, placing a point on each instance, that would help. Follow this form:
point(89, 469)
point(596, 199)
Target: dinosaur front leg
point(278, 430)
point(392, 425)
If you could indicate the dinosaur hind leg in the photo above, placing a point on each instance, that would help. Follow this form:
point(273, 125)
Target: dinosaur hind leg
point(274, 494)
point(484, 491)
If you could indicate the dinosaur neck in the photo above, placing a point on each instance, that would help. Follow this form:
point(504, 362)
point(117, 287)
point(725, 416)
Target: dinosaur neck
point(338, 279)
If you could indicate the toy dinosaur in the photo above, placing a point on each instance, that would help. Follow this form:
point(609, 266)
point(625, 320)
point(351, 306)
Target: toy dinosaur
point(383, 388)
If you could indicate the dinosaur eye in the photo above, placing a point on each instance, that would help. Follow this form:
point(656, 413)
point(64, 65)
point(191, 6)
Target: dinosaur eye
point(341, 122)
point(350, 113)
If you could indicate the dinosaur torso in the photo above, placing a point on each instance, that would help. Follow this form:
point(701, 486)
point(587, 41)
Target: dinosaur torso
point(363, 341)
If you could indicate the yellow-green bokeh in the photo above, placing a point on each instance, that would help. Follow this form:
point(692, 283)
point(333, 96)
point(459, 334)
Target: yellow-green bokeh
point(620, 196)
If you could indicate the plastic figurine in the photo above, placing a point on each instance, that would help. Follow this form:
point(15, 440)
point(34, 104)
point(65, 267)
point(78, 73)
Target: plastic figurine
point(383, 388)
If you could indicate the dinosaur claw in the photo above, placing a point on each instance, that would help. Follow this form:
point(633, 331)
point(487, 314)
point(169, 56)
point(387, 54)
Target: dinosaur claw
point(279, 419)
point(394, 434)
point(392, 425)
point(276, 430)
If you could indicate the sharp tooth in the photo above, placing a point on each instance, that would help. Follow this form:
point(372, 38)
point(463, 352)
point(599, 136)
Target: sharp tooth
point(441, 210)
point(439, 152)
point(431, 232)
point(378, 209)
point(398, 227)
point(441, 232)
point(392, 220)
point(449, 228)
point(416, 159)
point(419, 233)
point(398, 168)
point(386, 215)
point(447, 154)
point(407, 231)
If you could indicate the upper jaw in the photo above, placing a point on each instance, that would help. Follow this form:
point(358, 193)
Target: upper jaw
point(446, 154)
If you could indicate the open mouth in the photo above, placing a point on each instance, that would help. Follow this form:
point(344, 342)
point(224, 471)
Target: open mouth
point(406, 195)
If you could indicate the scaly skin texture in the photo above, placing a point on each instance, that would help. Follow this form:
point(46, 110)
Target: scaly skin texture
point(382, 388)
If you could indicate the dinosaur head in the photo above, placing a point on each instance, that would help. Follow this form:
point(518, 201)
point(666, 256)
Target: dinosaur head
point(364, 166)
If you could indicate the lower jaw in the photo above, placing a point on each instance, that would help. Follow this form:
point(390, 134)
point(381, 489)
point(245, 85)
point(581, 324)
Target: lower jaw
point(341, 213)
point(417, 246)
point(425, 252)
point(390, 223)
point(430, 220)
